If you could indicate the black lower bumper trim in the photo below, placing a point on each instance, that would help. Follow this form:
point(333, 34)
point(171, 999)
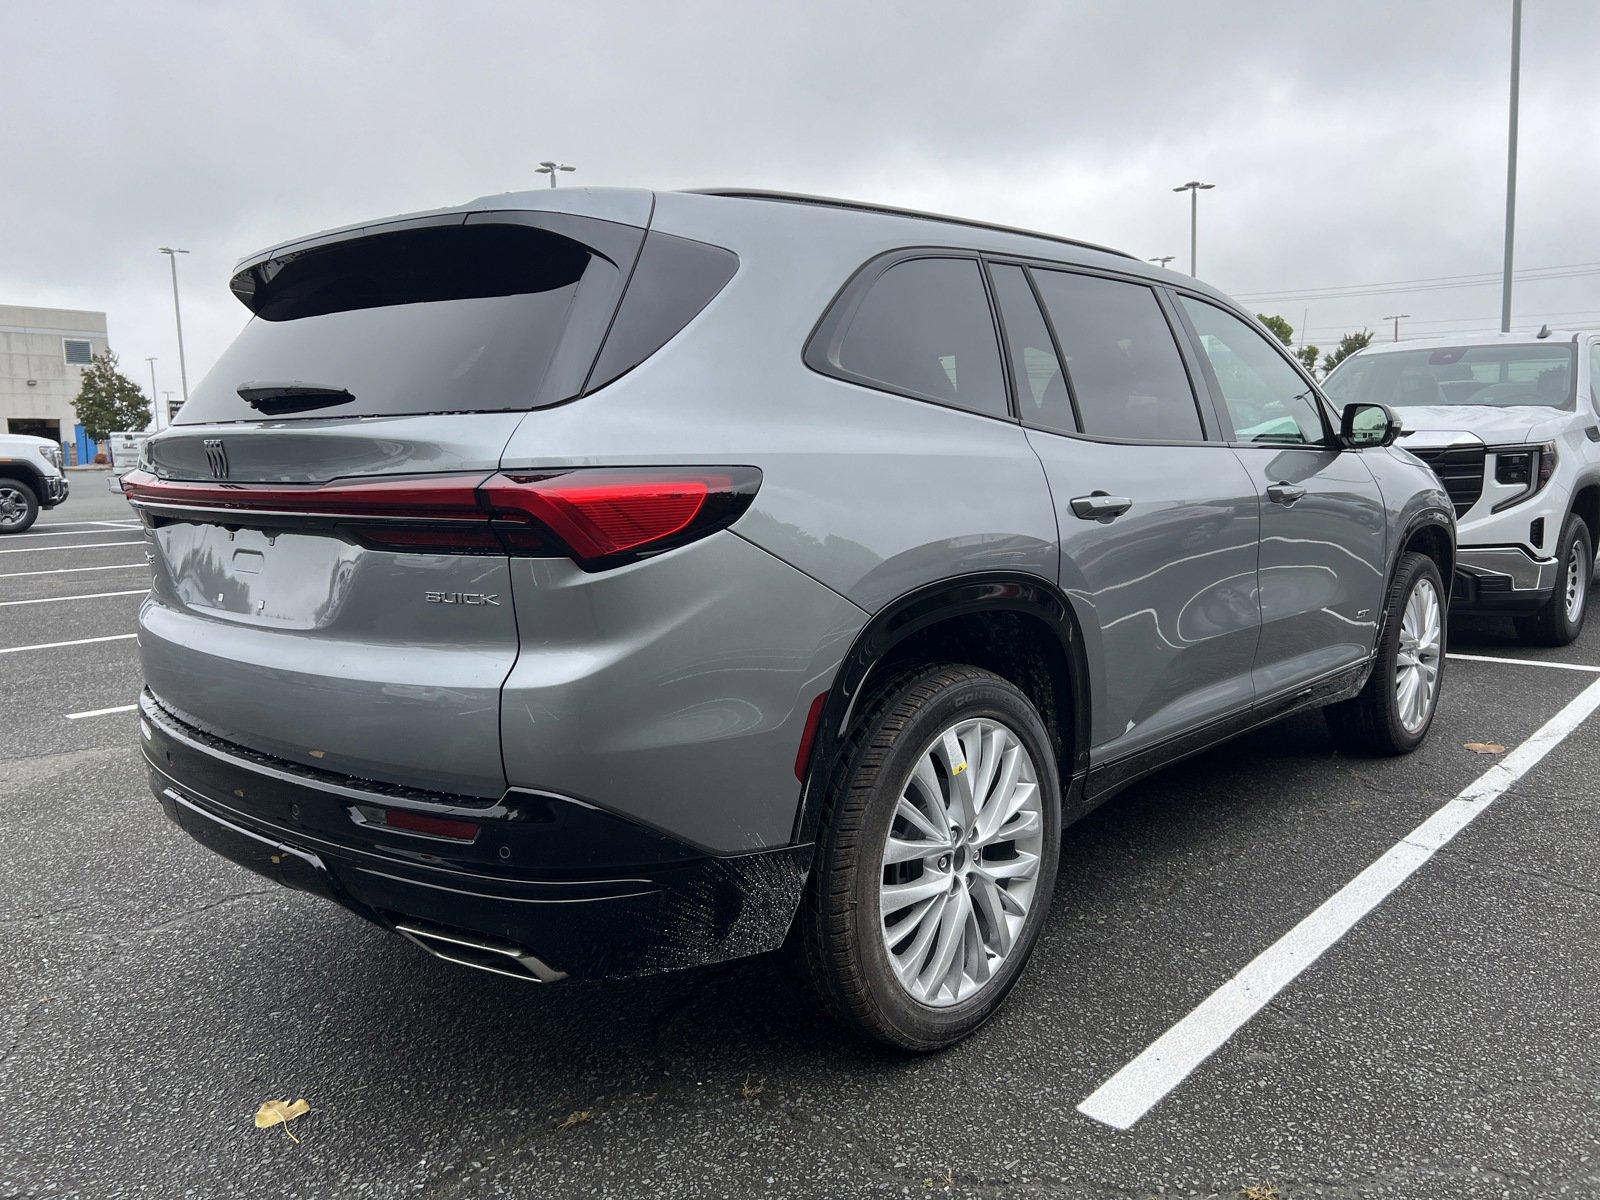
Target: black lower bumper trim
point(594, 919)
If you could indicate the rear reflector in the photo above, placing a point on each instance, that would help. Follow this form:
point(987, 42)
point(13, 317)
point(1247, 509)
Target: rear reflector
point(405, 820)
point(600, 517)
point(808, 737)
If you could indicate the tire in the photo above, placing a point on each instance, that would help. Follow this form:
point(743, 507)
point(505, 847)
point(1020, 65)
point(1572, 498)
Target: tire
point(1560, 621)
point(19, 507)
point(846, 952)
point(1374, 722)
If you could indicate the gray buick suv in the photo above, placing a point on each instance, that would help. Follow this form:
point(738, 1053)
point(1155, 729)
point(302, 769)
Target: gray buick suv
point(588, 583)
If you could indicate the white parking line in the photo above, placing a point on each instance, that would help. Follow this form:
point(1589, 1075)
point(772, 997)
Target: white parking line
point(53, 532)
point(86, 596)
point(1134, 1090)
point(101, 712)
point(114, 637)
point(1525, 662)
point(72, 570)
point(64, 549)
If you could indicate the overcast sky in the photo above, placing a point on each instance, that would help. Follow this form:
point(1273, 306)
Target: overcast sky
point(1351, 143)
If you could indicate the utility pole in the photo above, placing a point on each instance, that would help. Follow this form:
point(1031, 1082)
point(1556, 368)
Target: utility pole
point(549, 167)
point(177, 315)
point(1397, 318)
point(155, 401)
point(1511, 165)
point(1194, 187)
point(1163, 260)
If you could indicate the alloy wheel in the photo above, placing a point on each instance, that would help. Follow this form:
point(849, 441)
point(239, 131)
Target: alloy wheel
point(1416, 665)
point(13, 507)
point(961, 861)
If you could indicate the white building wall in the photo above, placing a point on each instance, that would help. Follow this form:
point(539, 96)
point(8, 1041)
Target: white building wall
point(31, 348)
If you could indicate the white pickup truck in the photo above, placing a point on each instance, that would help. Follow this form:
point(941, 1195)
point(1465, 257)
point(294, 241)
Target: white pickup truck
point(31, 479)
point(1511, 424)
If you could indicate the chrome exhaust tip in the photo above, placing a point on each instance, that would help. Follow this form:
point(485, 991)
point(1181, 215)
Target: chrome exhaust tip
point(481, 953)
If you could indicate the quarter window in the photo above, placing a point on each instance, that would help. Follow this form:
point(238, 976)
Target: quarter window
point(924, 328)
point(1267, 399)
point(1041, 385)
point(1122, 360)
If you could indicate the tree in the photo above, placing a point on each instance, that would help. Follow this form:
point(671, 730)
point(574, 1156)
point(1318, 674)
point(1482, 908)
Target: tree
point(109, 401)
point(1348, 345)
point(1308, 358)
point(1280, 328)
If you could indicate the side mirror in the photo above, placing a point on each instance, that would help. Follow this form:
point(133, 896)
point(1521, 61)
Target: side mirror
point(1363, 425)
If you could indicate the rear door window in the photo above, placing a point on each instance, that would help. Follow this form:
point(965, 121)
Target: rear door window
point(1042, 392)
point(1123, 362)
point(924, 329)
point(438, 317)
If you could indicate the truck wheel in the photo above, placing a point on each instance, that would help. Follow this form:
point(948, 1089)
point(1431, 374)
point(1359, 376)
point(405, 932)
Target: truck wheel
point(1560, 621)
point(936, 858)
point(19, 507)
point(1392, 713)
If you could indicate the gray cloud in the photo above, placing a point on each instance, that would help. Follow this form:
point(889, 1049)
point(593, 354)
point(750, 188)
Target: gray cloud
point(1350, 142)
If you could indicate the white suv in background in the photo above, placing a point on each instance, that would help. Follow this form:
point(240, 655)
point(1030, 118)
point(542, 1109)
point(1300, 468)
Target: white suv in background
point(1511, 424)
point(31, 478)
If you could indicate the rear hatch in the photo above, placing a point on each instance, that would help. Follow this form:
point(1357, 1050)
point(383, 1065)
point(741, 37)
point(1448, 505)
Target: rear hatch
point(327, 588)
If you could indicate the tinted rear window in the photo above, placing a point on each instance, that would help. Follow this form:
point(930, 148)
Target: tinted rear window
point(924, 329)
point(441, 318)
point(1125, 368)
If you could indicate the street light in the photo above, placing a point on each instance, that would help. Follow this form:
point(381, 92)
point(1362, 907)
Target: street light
point(1194, 187)
point(1511, 165)
point(550, 168)
point(155, 404)
point(1163, 260)
point(177, 315)
point(1397, 318)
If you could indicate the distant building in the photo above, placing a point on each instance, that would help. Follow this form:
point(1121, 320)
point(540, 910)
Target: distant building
point(43, 353)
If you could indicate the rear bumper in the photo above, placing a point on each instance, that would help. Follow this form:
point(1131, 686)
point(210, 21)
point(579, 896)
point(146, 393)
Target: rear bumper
point(549, 887)
point(1501, 579)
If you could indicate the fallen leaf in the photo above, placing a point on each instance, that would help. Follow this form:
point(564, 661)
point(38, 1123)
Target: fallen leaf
point(281, 1112)
point(750, 1090)
point(577, 1118)
point(1485, 747)
point(1259, 1191)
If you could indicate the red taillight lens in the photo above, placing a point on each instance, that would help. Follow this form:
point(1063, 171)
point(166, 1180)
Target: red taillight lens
point(405, 820)
point(606, 516)
point(599, 517)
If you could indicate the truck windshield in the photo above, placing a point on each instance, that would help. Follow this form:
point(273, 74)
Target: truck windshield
point(1499, 376)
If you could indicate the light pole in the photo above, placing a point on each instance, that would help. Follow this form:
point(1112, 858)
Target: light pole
point(1163, 260)
point(1511, 165)
point(177, 315)
point(1397, 318)
point(155, 403)
point(1194, 187)
point(547, 167)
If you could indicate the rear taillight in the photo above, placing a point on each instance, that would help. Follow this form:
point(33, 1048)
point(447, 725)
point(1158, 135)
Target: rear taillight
point(599, 517)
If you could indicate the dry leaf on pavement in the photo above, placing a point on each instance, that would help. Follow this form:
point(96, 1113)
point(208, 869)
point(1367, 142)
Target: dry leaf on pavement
point(281, 1112)
point(1485, 747)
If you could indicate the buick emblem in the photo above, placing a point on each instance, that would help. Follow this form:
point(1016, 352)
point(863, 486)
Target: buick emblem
point(216, 458)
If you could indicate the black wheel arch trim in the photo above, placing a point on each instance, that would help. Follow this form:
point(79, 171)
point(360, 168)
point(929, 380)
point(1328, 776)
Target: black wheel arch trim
point(988, 591)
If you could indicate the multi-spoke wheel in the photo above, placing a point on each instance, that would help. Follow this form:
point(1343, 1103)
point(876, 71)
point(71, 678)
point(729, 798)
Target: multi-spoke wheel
point(936, 857)
point(1416, 664)
point(961, 861)
point(1560, 620)
point(1393, 711)
point(19, 507)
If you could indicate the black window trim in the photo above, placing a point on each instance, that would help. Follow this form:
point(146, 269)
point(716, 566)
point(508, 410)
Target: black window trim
point(821, 348)
point(989, 264)
point(1211, 428)
point(1323, 405)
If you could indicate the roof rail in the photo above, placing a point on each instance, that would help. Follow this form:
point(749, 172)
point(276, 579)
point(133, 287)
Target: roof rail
point(890, 210)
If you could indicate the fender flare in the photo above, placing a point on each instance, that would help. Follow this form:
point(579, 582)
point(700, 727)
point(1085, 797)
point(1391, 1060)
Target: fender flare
point(988, 591)
point(28, 473)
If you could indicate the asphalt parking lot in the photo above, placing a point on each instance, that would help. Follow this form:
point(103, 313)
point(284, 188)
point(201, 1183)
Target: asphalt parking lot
point(153, 995)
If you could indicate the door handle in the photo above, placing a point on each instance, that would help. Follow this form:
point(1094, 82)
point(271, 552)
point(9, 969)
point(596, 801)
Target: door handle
point(1284, 493)
point(1100, 507)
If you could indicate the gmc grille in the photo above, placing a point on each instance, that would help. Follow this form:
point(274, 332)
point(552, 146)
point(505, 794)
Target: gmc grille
point(1460, 469)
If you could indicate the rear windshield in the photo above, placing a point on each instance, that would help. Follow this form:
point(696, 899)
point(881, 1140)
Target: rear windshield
point(440, 318)
point(1497, 376)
